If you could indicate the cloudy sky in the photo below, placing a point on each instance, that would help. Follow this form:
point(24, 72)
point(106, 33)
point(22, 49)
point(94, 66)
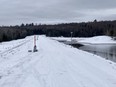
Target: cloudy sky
point(14, 12)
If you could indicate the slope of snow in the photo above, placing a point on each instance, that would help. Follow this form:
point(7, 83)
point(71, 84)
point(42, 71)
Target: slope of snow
point(54, 65)
point(98, 40)
point(65, 38)
point(91, 40)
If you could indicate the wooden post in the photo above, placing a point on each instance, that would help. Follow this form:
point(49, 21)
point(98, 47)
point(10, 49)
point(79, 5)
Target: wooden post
point(71, 38)
point(34, 40)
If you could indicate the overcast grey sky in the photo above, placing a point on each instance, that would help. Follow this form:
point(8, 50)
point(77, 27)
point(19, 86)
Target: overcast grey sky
point(55, 11)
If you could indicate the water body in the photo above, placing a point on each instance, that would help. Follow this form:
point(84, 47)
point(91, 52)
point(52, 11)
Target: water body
point(105, 51)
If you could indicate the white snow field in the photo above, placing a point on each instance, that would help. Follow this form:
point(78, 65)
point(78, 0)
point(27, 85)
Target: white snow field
point(54, 65)
point(98, 40)
point(89, 40)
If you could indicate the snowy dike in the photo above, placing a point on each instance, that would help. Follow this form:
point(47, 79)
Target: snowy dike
point(53, 65)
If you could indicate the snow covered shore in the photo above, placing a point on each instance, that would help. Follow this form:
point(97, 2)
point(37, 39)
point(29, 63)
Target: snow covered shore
point(90, 40)
point(98, 40)
point(54, 65)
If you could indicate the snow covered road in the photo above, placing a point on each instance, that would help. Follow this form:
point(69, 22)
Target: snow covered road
point(54, 65)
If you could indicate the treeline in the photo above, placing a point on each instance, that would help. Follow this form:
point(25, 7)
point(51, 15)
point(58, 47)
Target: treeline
point(83, 29)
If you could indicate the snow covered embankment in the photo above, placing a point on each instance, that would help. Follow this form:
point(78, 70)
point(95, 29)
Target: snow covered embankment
point(54, 65)
point(98, 40)
point(87, 41)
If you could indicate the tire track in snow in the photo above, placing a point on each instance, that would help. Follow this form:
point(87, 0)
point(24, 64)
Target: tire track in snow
point(26, 71)
point(13, 71)
point(11, 49)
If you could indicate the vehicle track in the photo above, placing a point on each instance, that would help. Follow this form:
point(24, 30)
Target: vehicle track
point(13, 48)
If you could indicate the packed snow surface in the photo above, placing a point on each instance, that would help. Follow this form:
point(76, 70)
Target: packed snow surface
point(54, 65)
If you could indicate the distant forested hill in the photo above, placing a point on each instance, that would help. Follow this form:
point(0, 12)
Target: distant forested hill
point(83, 29)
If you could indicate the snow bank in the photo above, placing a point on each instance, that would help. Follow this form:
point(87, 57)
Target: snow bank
point(91, 40)
point(98, 40)
point(64, 38)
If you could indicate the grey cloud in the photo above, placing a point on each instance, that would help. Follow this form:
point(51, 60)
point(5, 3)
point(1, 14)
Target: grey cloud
point(53, 11)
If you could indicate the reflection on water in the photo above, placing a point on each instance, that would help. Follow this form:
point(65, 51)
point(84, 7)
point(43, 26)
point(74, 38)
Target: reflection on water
point(106, 51)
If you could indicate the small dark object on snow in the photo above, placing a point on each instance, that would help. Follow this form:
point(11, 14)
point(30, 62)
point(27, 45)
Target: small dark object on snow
point(35, 49)
point(29, 50)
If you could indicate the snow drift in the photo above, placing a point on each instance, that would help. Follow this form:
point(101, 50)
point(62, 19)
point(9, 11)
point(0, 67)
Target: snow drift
point(98, 40)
